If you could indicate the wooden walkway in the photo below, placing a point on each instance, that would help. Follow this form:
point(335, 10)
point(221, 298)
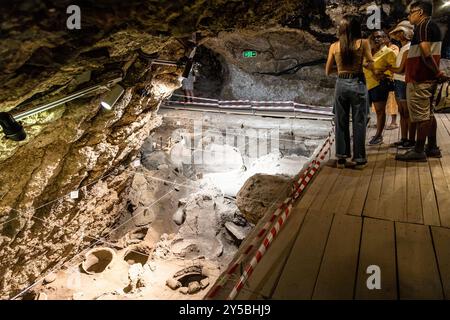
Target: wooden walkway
point(392, 214)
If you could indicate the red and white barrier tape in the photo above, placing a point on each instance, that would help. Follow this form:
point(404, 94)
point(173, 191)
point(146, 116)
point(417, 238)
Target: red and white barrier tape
point(275, 230)
point(285, 209)
point(265, 107)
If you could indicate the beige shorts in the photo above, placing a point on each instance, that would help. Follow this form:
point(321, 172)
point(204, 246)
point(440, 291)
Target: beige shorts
point(419, 97)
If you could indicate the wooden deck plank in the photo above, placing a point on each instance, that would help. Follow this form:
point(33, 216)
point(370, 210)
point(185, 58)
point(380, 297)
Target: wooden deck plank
point(331, 193)
point(337, 275)
point(265, 276)
point(313, 189)
point(321, 200)
point(429, 204)
point(444, 143)
point(374, 191)
point(357, 194)
point(441, 239)
point(300, 272)
point(442, 191)
point(346, 186)
point(399, 195)
point(413, 196)
point(389, 201)
point(418, 274)
point(377, 248)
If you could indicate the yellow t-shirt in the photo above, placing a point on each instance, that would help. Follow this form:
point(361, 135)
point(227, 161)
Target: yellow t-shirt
point(384, 57)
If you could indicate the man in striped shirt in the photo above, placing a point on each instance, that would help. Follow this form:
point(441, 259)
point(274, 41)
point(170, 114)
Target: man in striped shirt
point(422, 76)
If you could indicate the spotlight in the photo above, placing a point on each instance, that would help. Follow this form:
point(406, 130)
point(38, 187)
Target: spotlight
point(110, 99)
point(12, 129)
point(446, 4)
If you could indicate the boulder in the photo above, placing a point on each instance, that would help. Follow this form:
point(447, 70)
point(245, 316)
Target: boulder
point(173, 284)
point(194, 287)
point(257, 194)
point(179, 216)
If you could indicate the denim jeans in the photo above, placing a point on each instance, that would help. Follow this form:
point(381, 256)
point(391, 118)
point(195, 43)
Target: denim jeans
point(351, 96)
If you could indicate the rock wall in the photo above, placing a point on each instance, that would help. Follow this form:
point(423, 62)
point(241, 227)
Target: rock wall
point(77, 146)
point(262, 77)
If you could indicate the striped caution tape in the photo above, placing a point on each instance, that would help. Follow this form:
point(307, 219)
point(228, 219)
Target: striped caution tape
point(278, 225)
point(252, 105)
point(284, 209)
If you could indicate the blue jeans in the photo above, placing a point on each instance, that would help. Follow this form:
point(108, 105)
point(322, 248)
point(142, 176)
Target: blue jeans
point(351, 96)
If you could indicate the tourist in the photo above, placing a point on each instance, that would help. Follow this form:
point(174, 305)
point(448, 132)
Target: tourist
point(350, 92)
point(379, 81)
point(403, 33)
point(391, 103)
point(188, 86)
point(422, 76)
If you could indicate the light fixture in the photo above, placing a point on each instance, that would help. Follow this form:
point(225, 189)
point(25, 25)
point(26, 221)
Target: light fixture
point(12, 129)
point(66, 99)
point(110, 99)
point(446, 4)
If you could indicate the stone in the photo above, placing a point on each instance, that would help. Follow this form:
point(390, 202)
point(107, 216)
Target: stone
point(182, 202)
point(179, 216)
point(163, 167)
point(257, 194)
point(50, 278)
point(184, 290)
point(204, 283)
point(240, 233)
point(194, 287)
point(206, 272)
point(239, 220)
point(173, 284)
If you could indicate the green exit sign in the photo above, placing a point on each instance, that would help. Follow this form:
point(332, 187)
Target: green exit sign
point(249, 54)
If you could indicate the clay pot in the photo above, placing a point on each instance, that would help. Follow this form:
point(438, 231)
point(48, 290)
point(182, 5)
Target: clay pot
point(97, 260)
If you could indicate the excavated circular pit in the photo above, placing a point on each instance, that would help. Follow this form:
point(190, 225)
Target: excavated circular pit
point(136, 255)
point(97, 260)
point(192, 277)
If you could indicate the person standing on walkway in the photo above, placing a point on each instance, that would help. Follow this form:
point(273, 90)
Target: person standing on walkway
point(379, 81)
point(422, 76)
point(350, 92)
point(391, 104)
point(403, 33)
point(188, 86)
